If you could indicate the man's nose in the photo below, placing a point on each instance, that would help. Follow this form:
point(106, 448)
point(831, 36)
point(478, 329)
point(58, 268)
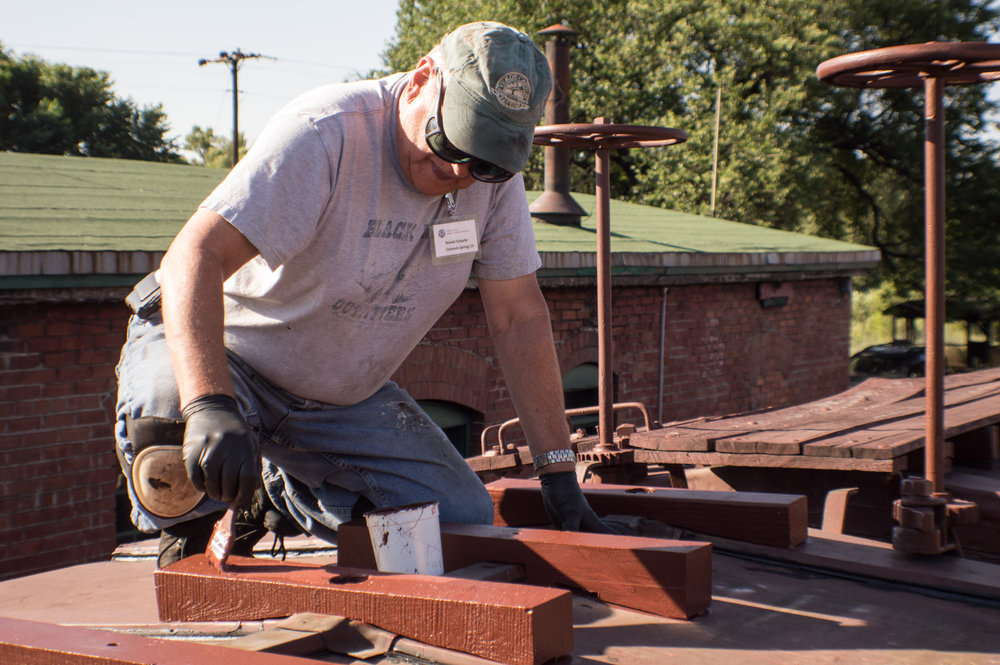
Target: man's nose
point(460, 170)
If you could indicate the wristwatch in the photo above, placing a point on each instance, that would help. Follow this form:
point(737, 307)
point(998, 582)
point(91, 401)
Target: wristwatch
point(553, 457)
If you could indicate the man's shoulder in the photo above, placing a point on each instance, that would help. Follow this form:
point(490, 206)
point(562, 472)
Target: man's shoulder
point(368, 96)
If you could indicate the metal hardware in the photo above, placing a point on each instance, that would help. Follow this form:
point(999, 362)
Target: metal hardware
point(930, 66)
point(492, 442)
point(602, 136)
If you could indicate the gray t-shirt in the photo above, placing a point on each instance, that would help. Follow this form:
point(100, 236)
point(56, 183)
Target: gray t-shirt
point(345, 285)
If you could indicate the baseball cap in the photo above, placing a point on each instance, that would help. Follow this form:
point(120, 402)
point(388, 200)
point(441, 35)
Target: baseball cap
point(497, 87)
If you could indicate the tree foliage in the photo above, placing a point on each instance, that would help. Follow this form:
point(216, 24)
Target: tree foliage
point(57, 109)
point(794, 153)
point(213, 150)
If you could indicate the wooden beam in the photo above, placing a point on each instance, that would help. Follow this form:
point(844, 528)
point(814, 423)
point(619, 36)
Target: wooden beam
point(510, 623)
point(779, 520)
point(670, 578)
point(36, 643)
point(804, 461)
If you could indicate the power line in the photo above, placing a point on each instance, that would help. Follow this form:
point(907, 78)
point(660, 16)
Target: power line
point(94, 49)
point(233, 60)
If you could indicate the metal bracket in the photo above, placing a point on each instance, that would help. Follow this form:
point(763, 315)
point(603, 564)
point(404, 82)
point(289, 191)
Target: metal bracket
point(835, 508)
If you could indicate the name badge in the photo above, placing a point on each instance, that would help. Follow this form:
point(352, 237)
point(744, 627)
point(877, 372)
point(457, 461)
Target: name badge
point(456, 240)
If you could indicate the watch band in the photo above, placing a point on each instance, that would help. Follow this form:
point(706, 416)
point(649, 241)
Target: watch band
point(554, 456)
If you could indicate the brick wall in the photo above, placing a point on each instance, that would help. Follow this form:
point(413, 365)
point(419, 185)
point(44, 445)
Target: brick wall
point(57, 465)
point(723, 353)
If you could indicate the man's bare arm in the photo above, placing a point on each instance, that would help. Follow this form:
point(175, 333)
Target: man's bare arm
point(202, 256)
point(519, 323)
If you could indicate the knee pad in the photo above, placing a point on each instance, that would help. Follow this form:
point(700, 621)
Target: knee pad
point(159, 477)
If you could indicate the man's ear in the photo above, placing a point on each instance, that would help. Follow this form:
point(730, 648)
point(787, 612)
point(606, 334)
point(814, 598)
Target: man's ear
point(419, 78)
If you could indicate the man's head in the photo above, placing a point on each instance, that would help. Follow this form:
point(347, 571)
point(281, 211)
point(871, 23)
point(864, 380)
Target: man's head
point(497, 84)
point(471, 106)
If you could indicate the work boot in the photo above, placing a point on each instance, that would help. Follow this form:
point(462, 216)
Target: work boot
point(185, 539)
point(275, 521)
point(251, 524)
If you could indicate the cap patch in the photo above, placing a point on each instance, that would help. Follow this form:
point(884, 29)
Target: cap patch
point(513, 90)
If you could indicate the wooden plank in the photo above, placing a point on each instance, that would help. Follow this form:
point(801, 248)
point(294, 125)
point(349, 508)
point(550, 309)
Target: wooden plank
point(671, 439)
point(772, 461)
point(982, 376)
point(907, 435)
point(36, 643)
point(780, 520)
point(884, 442)
point(968, 417)
point(793, 430)
point(670, 578)
point(310, 634)
point(510, 623)
point(878, 560)
point(706, 434)
point(863, 426)
point(489, 571)
point(771, 442)
point(484, 463)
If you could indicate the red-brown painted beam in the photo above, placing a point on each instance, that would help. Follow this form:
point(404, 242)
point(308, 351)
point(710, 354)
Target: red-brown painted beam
point(671, 578)
point(779, 520)
point(510, 623)
point(35, 643)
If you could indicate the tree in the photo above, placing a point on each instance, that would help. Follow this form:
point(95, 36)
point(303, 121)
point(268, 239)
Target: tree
point(794, 153)
point(63, 110)
point(213, 150)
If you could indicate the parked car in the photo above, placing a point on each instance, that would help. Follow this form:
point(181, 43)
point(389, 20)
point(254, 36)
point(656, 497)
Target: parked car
point(896, 360)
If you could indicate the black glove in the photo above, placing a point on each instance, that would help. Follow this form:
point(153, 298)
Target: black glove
point(568, 508)
point(219, 453)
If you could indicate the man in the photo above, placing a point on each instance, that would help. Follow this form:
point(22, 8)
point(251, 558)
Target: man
point(307, 277)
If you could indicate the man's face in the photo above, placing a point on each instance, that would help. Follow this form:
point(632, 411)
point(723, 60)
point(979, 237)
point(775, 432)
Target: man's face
point(428, 173)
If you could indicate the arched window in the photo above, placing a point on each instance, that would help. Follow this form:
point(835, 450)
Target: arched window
point(457, 421)
point(580, 390)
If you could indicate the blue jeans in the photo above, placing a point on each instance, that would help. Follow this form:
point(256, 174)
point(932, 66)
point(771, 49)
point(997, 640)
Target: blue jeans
point(318, 459)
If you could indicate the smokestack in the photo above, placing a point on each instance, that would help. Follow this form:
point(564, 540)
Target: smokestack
point(555, 205)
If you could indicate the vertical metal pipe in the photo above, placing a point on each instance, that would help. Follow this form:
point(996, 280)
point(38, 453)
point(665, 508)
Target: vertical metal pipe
point(604, 350)
point(555, 205)
point(715, 147)
point(234, 65)
point(934, 278)
point(662, 356)
point(557, 112)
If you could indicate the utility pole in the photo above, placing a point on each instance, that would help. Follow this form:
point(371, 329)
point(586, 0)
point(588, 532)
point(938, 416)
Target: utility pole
point(715, 149)
point(233, 60)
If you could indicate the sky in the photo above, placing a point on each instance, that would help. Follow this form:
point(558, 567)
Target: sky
point(151, 50)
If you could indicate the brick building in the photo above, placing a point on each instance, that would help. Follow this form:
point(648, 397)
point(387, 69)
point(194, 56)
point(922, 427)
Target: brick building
point(709, 317)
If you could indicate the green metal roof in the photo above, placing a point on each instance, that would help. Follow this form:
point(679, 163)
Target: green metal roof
point(646, 239)
point(48, 202)
point(87, 216)
point(642, 229)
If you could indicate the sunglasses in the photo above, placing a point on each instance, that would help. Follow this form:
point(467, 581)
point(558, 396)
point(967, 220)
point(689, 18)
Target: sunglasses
point(443, 148)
